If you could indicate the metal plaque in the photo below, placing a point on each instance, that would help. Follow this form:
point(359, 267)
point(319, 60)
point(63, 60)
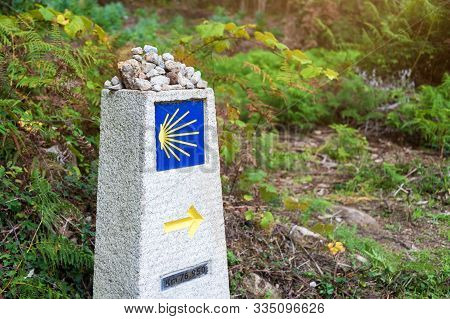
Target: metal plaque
point(183, 276)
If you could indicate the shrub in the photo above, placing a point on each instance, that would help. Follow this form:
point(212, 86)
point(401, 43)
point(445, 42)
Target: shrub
point(51, 65)
point(265, 88)
point(370, 178)
point(393, 35)
point(426, 118)
point(346, 144)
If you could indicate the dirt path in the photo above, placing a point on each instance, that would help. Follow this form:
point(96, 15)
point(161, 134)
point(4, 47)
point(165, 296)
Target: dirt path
point(303, 267)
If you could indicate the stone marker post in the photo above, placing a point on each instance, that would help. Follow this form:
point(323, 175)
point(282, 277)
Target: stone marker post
point(160, 226)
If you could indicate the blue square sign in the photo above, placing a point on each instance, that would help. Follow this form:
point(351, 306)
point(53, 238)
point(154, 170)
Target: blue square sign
point(180, 134)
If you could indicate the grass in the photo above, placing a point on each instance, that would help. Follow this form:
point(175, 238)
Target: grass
point(418, 274)
point(392, 270)
point(346, 144)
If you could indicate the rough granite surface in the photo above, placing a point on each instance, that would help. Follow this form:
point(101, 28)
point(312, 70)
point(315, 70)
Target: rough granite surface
point(132, 250)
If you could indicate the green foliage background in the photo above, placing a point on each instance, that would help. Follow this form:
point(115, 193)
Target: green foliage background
point(55, 56)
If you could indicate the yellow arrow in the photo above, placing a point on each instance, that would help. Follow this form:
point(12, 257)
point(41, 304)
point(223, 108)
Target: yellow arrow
point(192, 222)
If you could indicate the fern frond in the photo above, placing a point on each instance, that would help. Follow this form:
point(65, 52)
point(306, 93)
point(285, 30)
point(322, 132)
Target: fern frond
point(50, 206)
point(60, 251)
point(256, 69)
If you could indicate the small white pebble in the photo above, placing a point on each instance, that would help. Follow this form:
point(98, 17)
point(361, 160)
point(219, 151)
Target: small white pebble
point(142, 84)
point(160, 70)
point(202, 84)
point(137, 50)
point(147, 67)
point(171, 65)
point(116, 87)
point(189, 72)
point(167, 57)
point(115, 80)
point(149, 49)
point(152, 73)
point(197, 76)
point(137, 58)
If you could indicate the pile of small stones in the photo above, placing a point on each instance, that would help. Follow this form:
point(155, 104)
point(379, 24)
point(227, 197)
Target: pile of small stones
point(149, 71)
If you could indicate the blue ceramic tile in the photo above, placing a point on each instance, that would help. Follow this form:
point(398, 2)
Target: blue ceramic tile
point(180, 134)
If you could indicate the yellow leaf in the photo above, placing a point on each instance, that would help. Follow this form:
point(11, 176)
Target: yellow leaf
point(310, 72)
point(290, 203)
point(241, 33)
point(68, 14)
point(75, 26)
point(281, 46)
point(232, 113)
point(101, 34)
point(336, 247)
point(266, 38)
point(303, 206)
point(331, 74)
point(60, 19)
point(259, 36)
point(230, 26)
point(300, 56)
point(340, 246)
point(222, 45)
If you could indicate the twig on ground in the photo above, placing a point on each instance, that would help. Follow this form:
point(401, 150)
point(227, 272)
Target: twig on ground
point(312, 259)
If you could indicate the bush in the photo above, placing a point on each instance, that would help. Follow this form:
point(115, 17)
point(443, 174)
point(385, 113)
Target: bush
point(370, 178)
point(350, 99)
point(110, 16)
point(265, 88)
point(52, 70)
point(393, 35)
point(426, 118)
point(346, 144)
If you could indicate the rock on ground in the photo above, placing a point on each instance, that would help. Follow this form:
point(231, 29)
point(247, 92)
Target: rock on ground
point(116, 87)
point(173, 77)
point(354, 216)
point(260, 288)
point(299, 231)
point(147, 67)
point(189, 72)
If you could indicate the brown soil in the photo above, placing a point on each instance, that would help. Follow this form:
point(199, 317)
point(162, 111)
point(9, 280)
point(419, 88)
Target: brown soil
point(293, 268)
